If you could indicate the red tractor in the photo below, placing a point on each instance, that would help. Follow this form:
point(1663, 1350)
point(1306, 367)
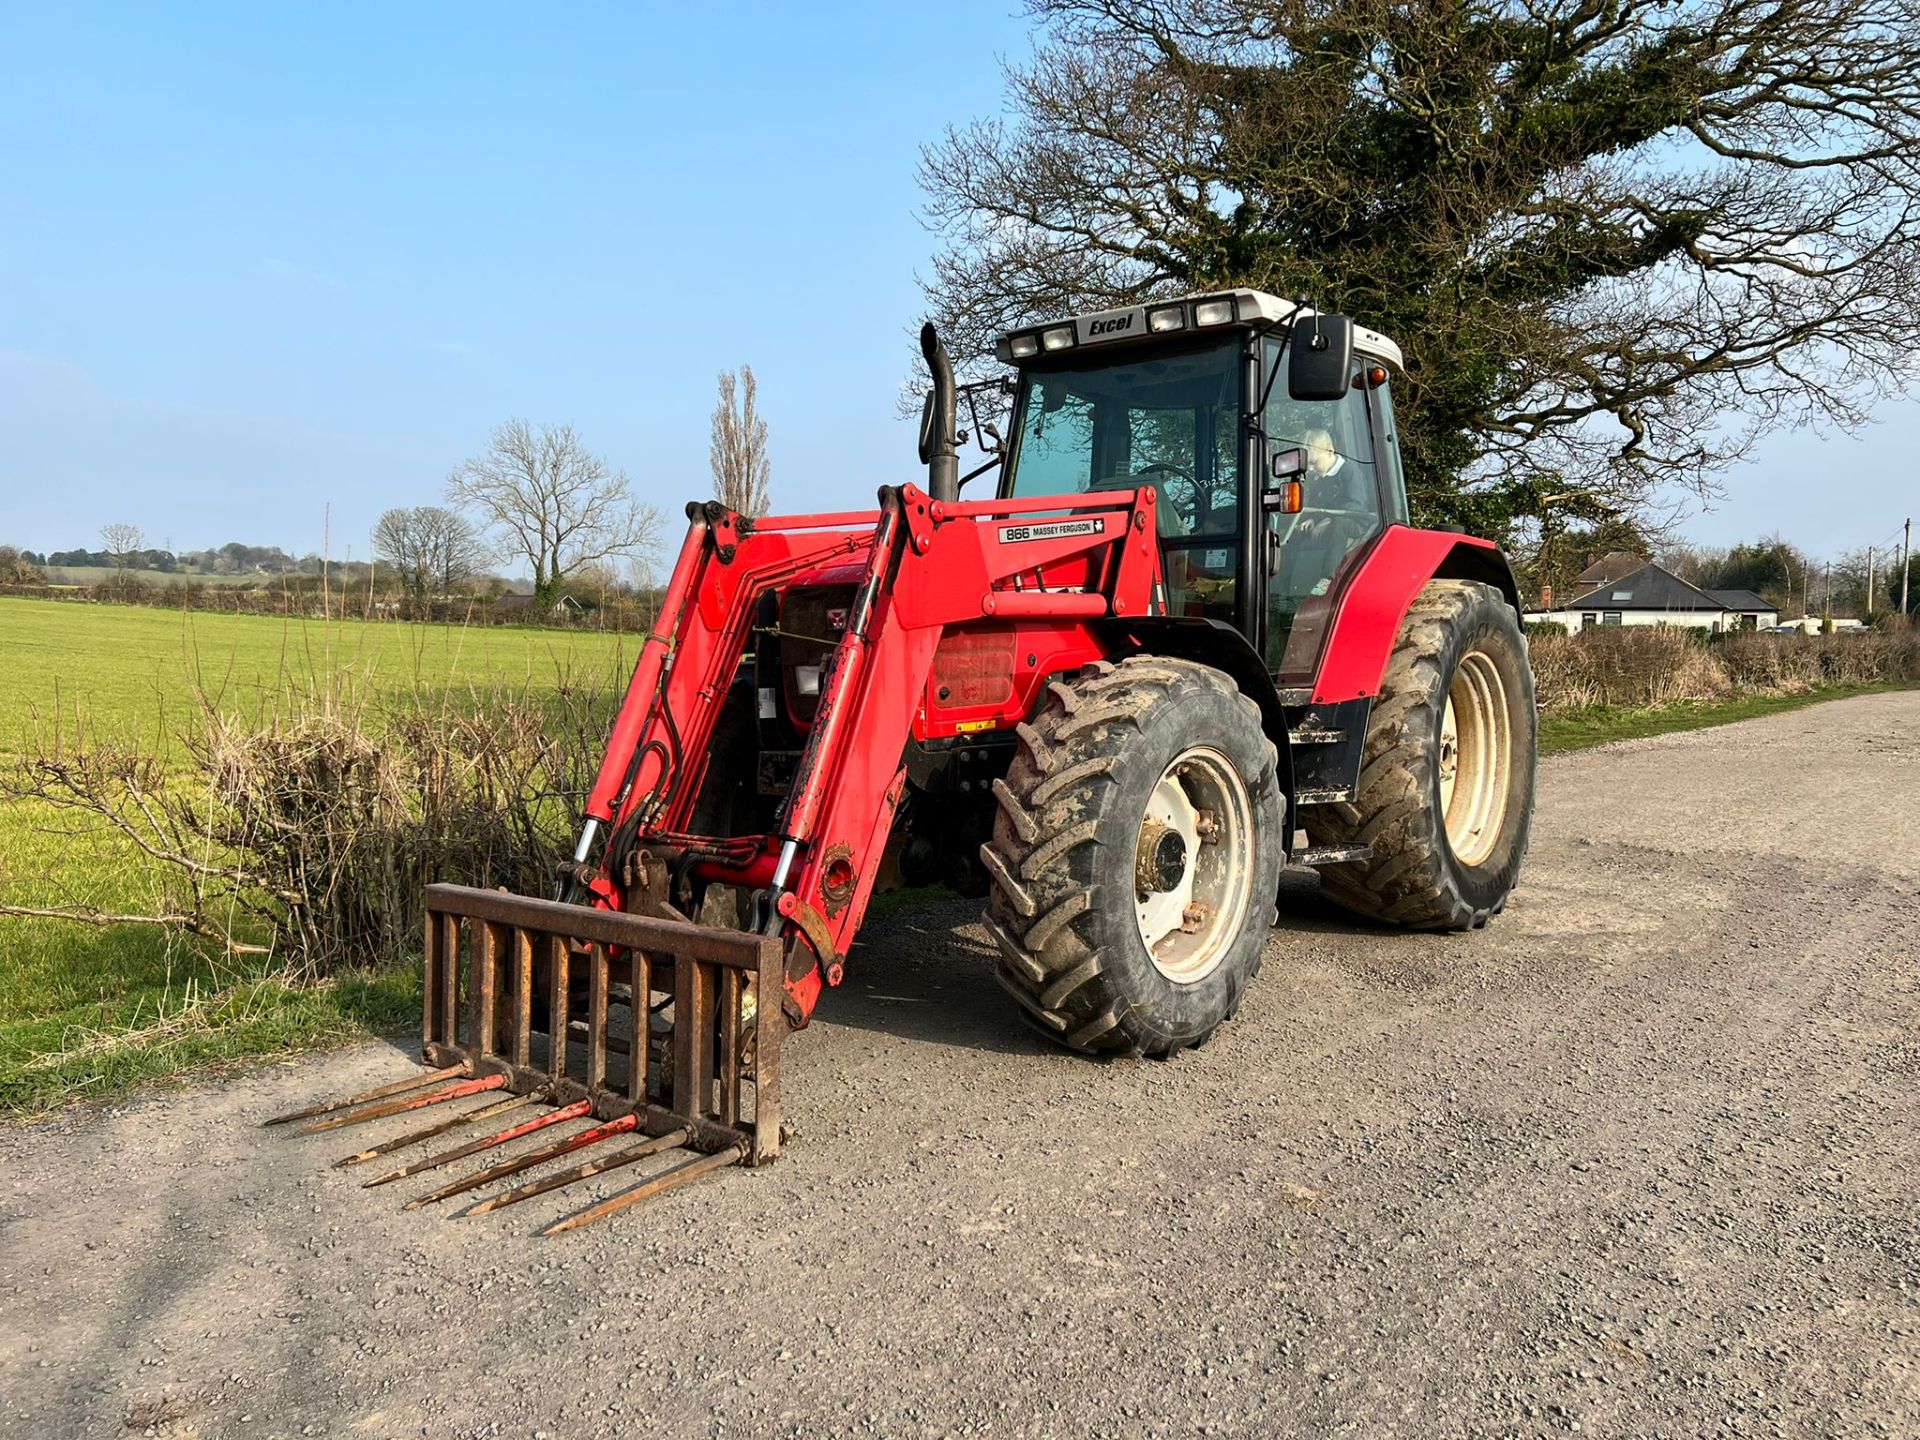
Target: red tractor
point(1191, 638)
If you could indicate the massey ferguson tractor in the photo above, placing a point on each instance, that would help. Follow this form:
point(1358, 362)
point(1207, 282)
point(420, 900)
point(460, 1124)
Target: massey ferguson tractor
point(1182, 636)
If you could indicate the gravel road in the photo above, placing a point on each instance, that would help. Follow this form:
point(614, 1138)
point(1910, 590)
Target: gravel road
point(1642, 1159)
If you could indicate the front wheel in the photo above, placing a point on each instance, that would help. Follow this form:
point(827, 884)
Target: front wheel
point(1445, 795)
point(1135, 856)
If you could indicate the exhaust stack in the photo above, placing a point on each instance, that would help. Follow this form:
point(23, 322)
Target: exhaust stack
point(939, 446)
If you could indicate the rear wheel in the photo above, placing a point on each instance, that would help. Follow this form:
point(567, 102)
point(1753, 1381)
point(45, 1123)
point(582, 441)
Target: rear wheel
point(1445, 796)
point(1135, 855)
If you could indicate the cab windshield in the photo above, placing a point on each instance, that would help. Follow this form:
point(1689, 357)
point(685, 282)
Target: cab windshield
point(1170, 421)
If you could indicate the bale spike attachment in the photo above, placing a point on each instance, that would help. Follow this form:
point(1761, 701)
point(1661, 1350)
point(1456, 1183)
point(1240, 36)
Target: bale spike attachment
point(379, 1092)
point(439, 1127)
point(474, 1147)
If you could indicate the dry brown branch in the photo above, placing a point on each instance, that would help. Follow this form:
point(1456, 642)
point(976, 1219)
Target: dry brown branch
point(309, 826)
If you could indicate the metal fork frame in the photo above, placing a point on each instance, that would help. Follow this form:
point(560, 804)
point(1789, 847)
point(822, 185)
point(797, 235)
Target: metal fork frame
point(488, 1025)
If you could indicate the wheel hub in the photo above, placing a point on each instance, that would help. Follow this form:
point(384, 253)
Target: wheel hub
point(1161, 863)
point(1475, 759)
point(1193, 865)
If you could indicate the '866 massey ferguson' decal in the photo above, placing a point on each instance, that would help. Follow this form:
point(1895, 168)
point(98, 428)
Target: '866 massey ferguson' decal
point(1049, 530)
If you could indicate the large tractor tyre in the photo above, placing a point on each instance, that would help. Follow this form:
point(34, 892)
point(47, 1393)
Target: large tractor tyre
point(1135, 857)
point(1445, 797)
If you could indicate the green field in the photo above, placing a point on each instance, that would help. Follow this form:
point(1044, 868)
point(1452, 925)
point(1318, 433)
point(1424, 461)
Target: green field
point(86, 1011)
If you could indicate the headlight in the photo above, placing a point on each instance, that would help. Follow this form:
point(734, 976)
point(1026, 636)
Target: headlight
point(1058, 338)
point(1022, 346)
point(1213, 312)
point(1167, 317)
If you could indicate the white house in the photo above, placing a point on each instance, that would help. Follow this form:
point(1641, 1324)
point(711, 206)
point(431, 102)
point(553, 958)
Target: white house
point(1652, 595)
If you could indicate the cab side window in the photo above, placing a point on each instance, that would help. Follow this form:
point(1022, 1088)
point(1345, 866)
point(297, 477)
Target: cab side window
point(1342, 510)
point(1381, 398)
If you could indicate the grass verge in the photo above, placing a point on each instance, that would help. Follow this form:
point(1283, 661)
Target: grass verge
point(1581, 729)
point(53, 1061)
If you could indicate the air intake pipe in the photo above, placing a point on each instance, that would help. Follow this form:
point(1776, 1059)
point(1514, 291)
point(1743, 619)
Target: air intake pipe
point(939, 446)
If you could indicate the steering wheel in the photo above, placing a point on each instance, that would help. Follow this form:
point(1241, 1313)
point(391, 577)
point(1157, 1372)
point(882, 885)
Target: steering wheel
point(1125, 482)
point(1129, 482)
point(1335, 520)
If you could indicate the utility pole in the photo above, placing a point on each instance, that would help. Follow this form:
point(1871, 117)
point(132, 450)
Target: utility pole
point(1869, 583)
point(1906, 564)
point(1826, 598)
point(326, 558)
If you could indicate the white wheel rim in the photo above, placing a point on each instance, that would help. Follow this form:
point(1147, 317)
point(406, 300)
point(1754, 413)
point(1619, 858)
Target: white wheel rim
point(1191, 897)
point(1476, 758)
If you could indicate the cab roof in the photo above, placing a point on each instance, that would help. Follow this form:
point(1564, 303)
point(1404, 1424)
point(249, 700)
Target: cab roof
point(1166, 319)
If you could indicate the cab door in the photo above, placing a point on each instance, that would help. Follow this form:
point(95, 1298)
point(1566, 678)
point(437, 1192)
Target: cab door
point(1350, 491)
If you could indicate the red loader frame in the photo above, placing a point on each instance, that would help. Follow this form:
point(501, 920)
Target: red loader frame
point(926, 570)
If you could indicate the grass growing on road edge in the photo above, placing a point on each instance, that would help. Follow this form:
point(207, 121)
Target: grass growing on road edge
point(53, 1062)
point(1581, 729)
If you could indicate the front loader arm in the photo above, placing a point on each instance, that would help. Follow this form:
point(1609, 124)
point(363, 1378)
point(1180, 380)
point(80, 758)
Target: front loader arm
point(662, 1030)
point(925, 566)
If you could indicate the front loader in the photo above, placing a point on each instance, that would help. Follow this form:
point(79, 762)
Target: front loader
point(1189, 639)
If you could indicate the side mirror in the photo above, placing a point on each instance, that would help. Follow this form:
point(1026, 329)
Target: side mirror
point(1320, 357)
point(1284, 494)
point(927, 426)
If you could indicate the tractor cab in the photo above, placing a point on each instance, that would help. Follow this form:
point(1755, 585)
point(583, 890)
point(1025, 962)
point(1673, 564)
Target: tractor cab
point(1265, 429)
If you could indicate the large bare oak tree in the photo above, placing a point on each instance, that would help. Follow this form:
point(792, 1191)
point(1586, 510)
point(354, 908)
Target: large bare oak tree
point(1619, 239)
point(552, 503)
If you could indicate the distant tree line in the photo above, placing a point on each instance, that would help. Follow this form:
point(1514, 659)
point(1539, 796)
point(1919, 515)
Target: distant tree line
point(232, 558)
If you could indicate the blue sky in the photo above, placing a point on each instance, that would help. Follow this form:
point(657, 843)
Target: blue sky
point(259, 260)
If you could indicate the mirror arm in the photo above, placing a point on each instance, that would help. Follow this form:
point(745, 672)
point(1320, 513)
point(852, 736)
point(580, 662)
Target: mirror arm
point(1279, 360)
point(998, 459)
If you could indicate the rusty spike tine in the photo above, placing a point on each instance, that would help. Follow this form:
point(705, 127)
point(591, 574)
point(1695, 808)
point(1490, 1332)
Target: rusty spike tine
point(379, 1092)
point(505, 1168)
point(406, 1103)
point(580, 1172)
point(460, 1152)
point(659, 1184)
point(427, 1132)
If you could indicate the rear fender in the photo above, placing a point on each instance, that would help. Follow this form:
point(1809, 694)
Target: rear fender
point(1219, 645)
point(1375, 601)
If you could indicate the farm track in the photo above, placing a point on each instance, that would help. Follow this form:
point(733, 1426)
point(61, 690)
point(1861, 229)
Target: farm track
point(1641, 1159)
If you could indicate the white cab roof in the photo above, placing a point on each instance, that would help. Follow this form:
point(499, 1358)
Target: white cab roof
point(1255, 308)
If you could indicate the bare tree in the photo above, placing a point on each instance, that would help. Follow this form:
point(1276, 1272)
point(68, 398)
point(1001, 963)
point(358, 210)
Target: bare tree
point(552, 503)
point(124, 543)
point(432, 550)
point(741, 474)
point(1618, 241)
